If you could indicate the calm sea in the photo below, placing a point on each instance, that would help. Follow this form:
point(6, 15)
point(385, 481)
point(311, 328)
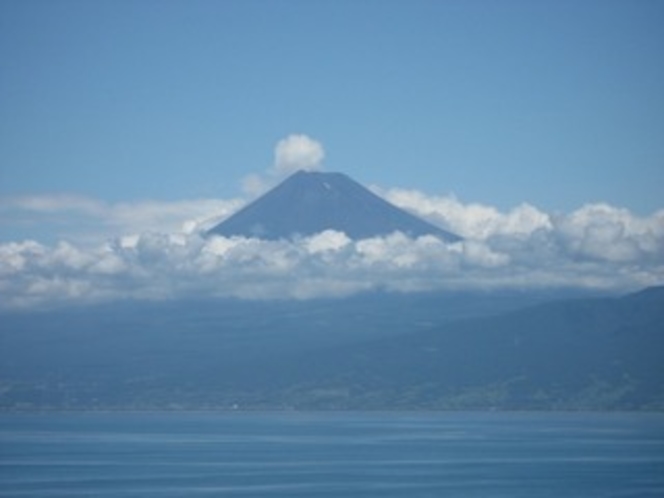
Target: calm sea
point(488, 455)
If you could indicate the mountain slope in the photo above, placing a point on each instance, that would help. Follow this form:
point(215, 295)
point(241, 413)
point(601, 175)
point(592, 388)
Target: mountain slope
point(311, 202)
point(605, 353)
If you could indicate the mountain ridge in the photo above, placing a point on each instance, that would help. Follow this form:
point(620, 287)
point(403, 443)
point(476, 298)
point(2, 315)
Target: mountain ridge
point(600, 353)
point(310, 202)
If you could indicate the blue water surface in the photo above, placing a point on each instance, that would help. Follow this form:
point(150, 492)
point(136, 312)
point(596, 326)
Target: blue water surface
point(405, 455)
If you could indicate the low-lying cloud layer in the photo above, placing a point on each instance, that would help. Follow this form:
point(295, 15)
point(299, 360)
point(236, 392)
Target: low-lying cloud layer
point(84, 220)
point(159, 253)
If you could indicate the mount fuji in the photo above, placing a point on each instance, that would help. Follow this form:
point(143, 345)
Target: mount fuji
point(309, 202)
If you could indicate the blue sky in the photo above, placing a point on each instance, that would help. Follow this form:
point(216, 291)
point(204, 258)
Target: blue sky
point(534, 129)
point(502, 102)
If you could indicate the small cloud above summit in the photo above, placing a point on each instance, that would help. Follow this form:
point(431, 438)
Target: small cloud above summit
point(294, 153)
point(298, 152)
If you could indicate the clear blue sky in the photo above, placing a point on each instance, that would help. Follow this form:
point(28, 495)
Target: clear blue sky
point(556, 103)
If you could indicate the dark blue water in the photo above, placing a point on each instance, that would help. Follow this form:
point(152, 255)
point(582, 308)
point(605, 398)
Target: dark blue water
point(488, 455)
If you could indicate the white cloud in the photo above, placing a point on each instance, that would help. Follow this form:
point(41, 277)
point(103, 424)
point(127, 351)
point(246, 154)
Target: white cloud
point(326, 241)
point(475, 221)
point(291, 154)
point(298, 152)
point(602, 232)
point(160, 253)
point(90, 221)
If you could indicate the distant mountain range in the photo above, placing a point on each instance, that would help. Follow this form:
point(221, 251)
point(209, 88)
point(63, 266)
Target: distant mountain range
point(307, 203)
point(574, 354)
point(503, 351)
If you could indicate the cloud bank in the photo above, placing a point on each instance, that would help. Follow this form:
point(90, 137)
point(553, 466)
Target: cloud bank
point(161, 253)
point(84, 220)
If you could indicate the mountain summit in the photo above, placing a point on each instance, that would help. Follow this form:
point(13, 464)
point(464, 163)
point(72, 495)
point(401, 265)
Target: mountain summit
point(310, 202)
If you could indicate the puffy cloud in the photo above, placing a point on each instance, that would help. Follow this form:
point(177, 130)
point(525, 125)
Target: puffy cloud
point(602, 232)
point(475, 221)
point(596, 246)
point(296, 152)
point(292, 153)
point(594, 232)
point(328, 240)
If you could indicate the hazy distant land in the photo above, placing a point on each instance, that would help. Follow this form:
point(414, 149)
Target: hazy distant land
point(379, 351)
